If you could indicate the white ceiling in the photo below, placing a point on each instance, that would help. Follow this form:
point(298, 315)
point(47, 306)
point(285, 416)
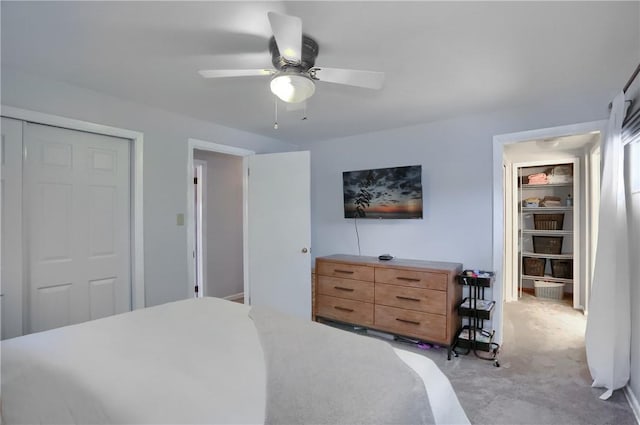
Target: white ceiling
point(440, 59)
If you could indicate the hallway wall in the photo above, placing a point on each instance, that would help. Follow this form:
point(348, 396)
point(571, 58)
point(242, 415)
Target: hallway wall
point(223, 237)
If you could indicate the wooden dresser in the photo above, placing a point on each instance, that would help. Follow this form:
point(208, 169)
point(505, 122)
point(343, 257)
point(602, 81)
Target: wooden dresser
point(412, 298)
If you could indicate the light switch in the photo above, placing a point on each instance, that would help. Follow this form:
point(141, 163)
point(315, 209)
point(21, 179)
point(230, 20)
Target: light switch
point(180, 219)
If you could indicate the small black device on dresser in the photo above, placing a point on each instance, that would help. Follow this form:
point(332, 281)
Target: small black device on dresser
point(385, 257)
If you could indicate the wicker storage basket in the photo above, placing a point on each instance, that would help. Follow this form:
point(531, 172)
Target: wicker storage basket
point(562, 269)
point(533, 266)
point(551, 290)
point(547, 244)
point(548, 221)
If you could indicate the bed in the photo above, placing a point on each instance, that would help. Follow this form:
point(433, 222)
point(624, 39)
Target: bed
point(213, 361)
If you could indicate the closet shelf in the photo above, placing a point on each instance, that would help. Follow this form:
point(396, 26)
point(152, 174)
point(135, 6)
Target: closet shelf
point(547, 232)
point(551, 256)
point(542, 186)
point(543, 210)
point(547, 278)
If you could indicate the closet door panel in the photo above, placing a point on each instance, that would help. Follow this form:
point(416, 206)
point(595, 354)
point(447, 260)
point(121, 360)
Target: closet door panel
point(78, 226)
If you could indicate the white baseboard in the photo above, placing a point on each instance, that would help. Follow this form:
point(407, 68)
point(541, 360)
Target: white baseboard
point(633, 402)
point(235, 297)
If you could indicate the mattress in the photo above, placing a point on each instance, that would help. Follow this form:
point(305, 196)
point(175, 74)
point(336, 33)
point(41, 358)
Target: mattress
point(190, 361)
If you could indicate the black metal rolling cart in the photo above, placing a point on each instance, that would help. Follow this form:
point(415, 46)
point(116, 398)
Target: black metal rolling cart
point(474, 310)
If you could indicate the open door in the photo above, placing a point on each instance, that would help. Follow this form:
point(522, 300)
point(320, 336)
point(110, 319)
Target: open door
point(279, 222)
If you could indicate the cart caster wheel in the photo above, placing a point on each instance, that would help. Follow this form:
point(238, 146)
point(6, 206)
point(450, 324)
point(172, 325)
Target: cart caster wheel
point(496, 363)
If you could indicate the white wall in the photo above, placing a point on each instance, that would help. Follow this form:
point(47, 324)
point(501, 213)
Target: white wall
point(456, 164)
point(456, 159)
point(165, 164)
point(224, 260)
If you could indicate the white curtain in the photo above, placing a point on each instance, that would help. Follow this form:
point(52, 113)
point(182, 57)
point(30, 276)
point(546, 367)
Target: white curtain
point(608, 334)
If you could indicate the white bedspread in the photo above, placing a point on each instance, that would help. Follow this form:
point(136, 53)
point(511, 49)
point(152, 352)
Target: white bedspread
point(191, 361)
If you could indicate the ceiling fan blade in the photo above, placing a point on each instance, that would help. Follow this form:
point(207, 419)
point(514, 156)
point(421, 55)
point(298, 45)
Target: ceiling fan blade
point(287, 30)
point(351, 77)
point(218, 73)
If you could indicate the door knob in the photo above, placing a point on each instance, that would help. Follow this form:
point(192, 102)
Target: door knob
point(304, 250)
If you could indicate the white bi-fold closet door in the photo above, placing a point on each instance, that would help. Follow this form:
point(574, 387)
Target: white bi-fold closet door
point(76, 226)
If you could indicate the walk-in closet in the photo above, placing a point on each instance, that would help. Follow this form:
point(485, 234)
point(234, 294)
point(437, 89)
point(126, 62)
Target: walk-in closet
point(551, 202)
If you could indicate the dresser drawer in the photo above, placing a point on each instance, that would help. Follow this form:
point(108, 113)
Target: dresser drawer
point(426, 300)
point(346, 288)
point(431, 327)
point(413, 278)
point(347, 271)
point(349, 311)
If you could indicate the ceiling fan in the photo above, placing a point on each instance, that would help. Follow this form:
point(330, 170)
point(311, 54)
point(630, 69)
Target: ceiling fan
point(293, 56)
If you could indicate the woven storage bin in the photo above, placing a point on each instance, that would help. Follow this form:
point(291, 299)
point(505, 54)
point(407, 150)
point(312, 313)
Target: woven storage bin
point(533, 266)
point(551, 290)
point(562, 269)
point(547, 244)
point(548, 221)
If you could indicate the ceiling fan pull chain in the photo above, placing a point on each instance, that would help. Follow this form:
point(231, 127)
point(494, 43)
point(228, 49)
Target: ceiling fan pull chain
point(304, 113)
point(275, 121)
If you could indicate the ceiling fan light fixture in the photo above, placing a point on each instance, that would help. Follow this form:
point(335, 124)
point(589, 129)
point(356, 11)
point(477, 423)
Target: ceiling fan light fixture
point(292, 88)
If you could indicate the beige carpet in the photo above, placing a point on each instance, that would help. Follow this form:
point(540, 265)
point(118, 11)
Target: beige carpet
point(543, 378)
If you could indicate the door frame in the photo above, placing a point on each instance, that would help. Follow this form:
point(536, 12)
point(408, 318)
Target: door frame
point(499, 143)
point(136, 139)
point(193, 144)
point(199, 217)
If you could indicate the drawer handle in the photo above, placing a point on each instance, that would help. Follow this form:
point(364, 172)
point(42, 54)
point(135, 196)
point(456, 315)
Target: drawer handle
point(408, 321)
point(343, 271)
point(407, 298)
point(408, 279)
point(337, 307)
point(342, 288)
